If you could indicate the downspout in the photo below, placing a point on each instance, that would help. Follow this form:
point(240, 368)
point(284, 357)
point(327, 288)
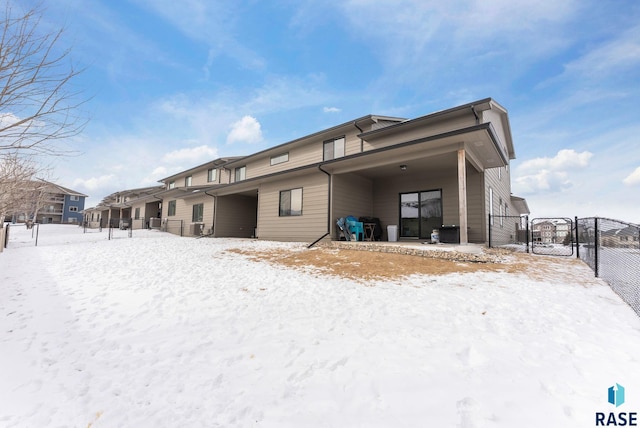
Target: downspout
point(361, 140)
point(213, 220)
point(475, 113)
point(328, 209)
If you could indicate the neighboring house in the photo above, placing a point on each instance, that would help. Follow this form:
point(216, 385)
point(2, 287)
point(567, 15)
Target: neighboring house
point(446, 168)
point(120, 208)
point(621, 238)
point(54, 204)
point(551, 231)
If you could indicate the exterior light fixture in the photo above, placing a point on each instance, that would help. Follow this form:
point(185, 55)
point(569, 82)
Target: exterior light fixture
point(403, 167)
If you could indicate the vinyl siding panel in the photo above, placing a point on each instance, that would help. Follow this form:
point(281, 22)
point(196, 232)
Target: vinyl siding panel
point(500, 183)
point(313, 222)
point(352, 195)
point(180, 223)
point(307, 154)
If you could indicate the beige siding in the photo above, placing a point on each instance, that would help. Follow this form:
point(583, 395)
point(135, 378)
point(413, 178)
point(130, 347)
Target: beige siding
point(306, 154)
point(352, 195)
point(498, 179)
point(313, 222)
point(236, 216)
point(420, 132)
point(182, 221)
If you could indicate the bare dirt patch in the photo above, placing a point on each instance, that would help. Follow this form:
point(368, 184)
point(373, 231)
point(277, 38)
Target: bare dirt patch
point(372, 265)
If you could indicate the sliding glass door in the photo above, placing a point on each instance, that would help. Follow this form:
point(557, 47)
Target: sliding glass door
point(420, 213)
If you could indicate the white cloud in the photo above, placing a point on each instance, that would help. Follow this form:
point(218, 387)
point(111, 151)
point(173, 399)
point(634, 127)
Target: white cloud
point(246, 130)
point(94, 183)
point(191, 155)
point(633, 179)
point(615, 55)
point(331, 110)
point(547, 174)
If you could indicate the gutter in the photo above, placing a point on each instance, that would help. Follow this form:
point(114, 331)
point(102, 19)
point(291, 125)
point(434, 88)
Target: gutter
point(213, 220)
point(328, 207)
point(355, 123)
point(475, 113)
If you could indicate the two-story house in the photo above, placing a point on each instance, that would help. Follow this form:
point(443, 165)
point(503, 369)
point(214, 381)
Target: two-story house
point(449, 168)
point(452, 166)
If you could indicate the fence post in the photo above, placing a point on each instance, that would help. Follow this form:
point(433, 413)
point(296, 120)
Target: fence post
point(577, 239)
point(526, 219)
point(489, 230)
point(181, 227)
point(596, 241)
point(37, 232)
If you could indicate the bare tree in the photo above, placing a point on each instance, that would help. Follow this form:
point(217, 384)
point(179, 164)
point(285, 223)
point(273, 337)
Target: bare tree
point(38, 104)
point(16, 175)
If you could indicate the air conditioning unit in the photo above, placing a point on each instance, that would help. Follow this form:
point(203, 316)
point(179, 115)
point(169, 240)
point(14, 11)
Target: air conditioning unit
point(196, 229)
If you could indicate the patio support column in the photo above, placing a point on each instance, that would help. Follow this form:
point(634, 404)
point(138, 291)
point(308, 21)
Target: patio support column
point(462, 195)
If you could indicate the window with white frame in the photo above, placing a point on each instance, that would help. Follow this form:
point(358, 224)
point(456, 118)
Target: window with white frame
point(137, 214)
point(212, 175)
point(74, 198)
point(281, 158)
point(171, 208)
point(172, 184)
point(333, 149)
point(240, 173)
point(290, 202)
point(187, 181)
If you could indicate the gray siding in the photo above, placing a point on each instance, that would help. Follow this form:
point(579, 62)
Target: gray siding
point(236, 216)
point(352, 195)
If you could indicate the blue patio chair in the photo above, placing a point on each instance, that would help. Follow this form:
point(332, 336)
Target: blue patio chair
point(355, 227)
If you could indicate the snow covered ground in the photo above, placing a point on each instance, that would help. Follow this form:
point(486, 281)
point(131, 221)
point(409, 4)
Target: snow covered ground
point(162, 331)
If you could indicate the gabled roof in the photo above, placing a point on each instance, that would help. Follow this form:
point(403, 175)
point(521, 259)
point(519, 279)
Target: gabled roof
point(63, 190)
point(214, 163)
point(369, 120)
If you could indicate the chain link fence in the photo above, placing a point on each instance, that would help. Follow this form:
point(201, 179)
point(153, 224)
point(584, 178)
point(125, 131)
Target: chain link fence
point(612, 249)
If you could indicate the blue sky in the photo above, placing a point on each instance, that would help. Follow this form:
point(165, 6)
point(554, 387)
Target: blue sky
point(174, 84)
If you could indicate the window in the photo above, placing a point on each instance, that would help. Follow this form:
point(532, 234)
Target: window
point(212, 175)
point(291, 202)
point(73, 209)
point(137, 214)
point(241, 173)
point(74, 198)
point(187, 181)
point(171, 185)
point(501, 213)
point(197, 213)
point(491, 204)
point(171, 208)
point(333, 149)
point(284, 157)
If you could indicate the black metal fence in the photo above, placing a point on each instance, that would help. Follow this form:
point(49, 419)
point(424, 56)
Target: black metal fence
point(612, 249)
